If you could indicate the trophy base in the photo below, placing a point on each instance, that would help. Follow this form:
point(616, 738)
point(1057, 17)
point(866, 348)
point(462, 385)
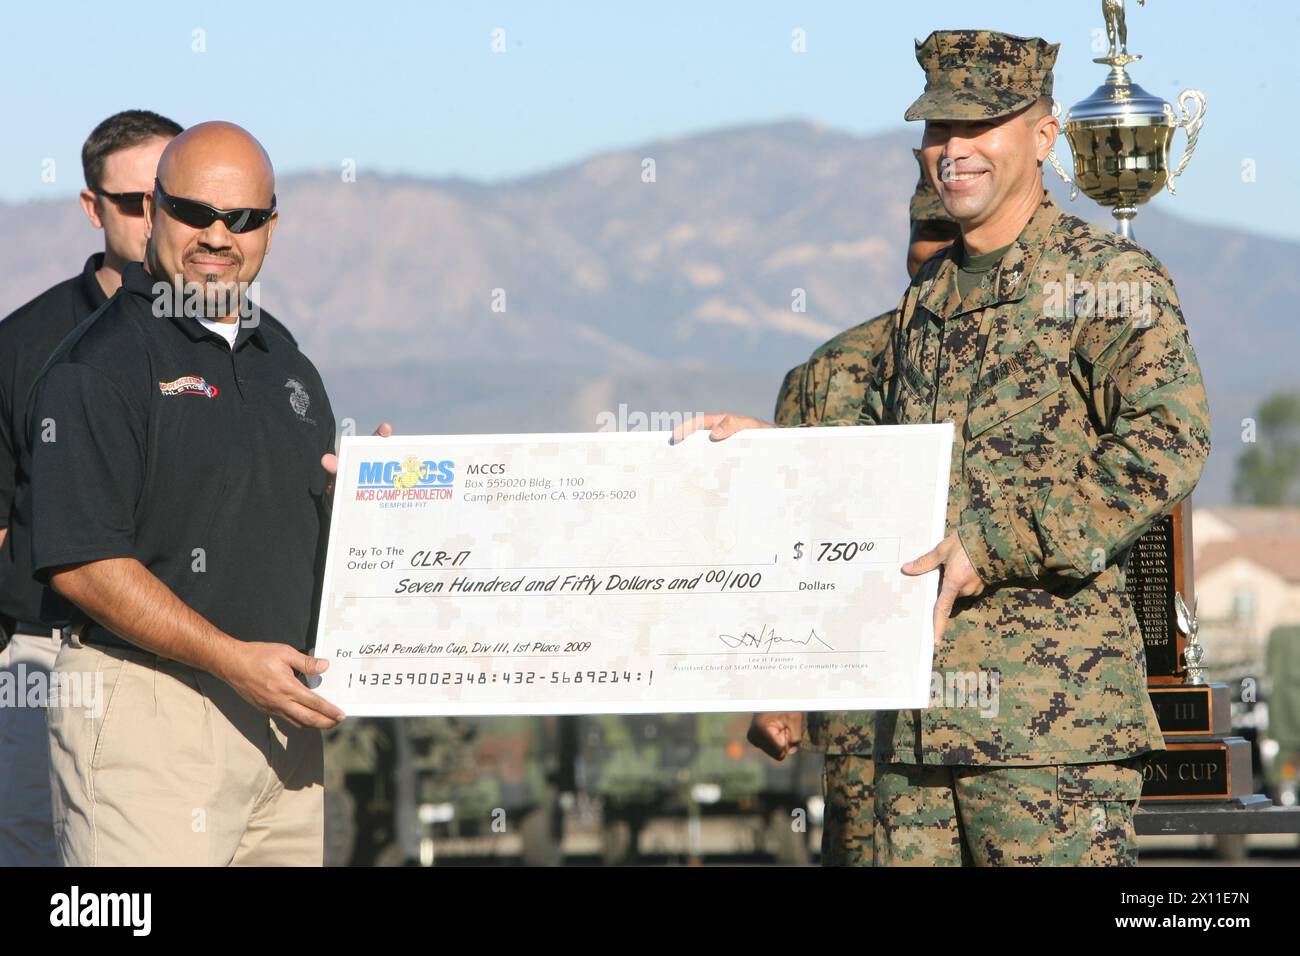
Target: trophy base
point(1192, 710)
point(1198, 771)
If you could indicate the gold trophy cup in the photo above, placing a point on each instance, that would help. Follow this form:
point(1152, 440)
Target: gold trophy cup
point(1121, 135)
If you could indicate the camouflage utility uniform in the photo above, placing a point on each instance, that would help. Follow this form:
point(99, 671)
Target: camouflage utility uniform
point(829, 389)
point(1080, 418)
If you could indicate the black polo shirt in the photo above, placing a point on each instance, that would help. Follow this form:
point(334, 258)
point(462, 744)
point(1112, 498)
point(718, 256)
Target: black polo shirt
point(199, 460)
point(28, 336)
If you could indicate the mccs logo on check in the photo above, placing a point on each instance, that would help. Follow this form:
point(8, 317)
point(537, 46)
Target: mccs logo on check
point(411, 481)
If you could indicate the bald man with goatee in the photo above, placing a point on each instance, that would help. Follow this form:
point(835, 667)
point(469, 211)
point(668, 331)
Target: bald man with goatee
point(182, 457)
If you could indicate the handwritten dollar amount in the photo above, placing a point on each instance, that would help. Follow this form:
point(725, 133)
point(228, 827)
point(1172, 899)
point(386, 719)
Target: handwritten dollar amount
point(836, 550)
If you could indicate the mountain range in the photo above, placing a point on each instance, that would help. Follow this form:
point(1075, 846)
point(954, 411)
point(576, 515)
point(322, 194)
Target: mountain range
point(660, 279)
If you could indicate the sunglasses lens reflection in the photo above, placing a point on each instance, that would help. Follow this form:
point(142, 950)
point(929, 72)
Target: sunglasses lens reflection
point(191, 213)
point(200, 215)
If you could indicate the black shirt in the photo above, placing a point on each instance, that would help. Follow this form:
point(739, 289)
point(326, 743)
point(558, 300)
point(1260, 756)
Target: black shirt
point(199, 460)
point(28, 336)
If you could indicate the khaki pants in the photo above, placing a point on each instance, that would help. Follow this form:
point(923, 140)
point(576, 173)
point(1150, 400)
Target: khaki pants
point(26, 827)
point(173, 768)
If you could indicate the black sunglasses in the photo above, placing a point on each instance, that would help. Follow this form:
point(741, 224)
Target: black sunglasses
point(128, 204)
point(200, 215)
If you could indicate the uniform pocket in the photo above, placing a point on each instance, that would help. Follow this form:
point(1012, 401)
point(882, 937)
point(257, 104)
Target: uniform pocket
point(1097, 803)
point(1007, 393)
point(1014, 428)
point(1105, 782)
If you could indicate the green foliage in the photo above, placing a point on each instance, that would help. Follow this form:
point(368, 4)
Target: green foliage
point(1268, 472)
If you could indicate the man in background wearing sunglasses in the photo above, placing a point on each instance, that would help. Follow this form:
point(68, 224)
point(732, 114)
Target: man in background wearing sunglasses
point(119, 159)
point(181, 504)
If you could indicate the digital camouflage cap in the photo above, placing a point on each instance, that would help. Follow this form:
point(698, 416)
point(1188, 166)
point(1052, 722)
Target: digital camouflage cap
point(981, 74)
point(926, 206)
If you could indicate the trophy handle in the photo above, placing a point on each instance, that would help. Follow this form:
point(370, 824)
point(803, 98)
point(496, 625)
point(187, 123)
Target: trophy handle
point(1191, 121)
point(1056, 163)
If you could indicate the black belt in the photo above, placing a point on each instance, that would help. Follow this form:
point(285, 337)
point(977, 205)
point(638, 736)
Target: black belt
point(9, 627)
point(97, 636)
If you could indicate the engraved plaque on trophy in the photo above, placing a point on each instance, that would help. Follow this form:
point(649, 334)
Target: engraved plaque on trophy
point(1152, 578)
point(1192, 710)
point(1209, 770)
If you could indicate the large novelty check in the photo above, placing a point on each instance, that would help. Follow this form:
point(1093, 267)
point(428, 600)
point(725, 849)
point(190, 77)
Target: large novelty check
point(616, 573)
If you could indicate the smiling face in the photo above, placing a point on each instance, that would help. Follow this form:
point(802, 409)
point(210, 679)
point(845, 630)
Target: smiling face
point(223, 166)
point(988, 172)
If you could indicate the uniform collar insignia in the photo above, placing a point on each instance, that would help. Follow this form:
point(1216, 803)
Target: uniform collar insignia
point(940, 295)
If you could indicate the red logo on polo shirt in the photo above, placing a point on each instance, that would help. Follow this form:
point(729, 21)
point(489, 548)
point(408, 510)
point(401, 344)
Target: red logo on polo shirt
point(188, 385)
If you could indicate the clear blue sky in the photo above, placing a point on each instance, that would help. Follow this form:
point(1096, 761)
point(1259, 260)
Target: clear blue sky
point(415, 87)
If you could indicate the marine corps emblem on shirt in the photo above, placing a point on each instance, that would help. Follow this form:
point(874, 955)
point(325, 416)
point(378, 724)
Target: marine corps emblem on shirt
point(299, 400)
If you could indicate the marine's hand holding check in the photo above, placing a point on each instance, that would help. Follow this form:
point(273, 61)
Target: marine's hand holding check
point(958, 577)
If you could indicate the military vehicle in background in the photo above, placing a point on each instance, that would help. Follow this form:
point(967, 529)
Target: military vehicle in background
point(397, 789)
point(426, 791)
point(359, 794)
point(463, 783)
point(641, 768)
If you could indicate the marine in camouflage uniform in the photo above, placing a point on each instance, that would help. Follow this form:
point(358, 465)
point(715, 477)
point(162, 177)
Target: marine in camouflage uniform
point(1078, 423)
point(829, 389)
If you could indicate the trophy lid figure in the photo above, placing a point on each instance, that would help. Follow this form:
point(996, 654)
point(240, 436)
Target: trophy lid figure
point(1117, 32)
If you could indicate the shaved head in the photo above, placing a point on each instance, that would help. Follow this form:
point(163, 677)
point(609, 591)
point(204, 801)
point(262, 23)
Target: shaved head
point(221, 165)
point(222, 159)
